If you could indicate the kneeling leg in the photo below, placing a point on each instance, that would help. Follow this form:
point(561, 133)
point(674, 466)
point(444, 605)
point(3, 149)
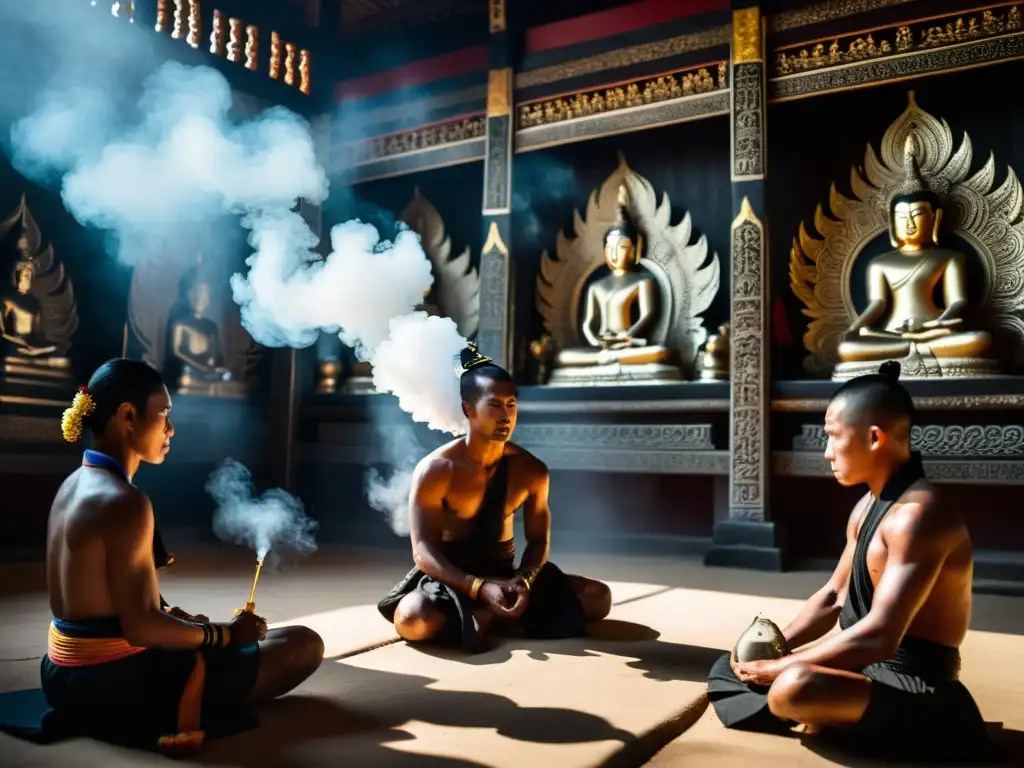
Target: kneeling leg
point(416, 618)
point(594, 596)
point(288, 656)
point(819, 697)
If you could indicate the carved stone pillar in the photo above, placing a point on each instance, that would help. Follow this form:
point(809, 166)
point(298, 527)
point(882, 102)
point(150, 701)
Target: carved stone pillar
point(496, 301)
point(748, 536)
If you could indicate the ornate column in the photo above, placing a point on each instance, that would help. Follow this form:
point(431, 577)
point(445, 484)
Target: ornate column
point(748, 537)
point(496, 301)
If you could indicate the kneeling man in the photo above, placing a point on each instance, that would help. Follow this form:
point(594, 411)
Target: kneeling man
point(121, 666)
point(887, 684)
point(462, 504)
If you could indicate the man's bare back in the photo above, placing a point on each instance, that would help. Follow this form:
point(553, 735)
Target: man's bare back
point(83, 517)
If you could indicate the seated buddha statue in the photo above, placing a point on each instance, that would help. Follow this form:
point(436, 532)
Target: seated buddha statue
point(194, 338)
point(21, 320)
point(902, 321)
point(620, 308)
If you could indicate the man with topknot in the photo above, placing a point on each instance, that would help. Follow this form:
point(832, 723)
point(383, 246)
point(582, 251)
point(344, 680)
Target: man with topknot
point(464, 495)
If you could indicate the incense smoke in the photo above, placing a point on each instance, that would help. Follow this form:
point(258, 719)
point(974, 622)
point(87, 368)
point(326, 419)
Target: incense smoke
point(166, 168)
point(388, 492)
point(269, 524)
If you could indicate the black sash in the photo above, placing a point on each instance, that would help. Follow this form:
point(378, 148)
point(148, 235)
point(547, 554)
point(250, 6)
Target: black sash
point(862, 591)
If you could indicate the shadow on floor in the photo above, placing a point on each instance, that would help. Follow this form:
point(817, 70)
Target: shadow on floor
point(657, 659)
point(369, 710)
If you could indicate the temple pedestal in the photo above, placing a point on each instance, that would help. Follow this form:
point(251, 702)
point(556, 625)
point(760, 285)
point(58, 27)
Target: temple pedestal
point(615, 374)
point(923, 366)
point(189, 384)
point(37, 381)
point(746, 544)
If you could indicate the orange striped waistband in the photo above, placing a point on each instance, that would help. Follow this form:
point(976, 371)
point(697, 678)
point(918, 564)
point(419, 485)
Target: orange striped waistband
point(67, 651)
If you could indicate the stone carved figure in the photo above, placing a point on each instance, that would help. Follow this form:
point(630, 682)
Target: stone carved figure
point(194, 336)
point(640, 321)
point(38, 314)
point(917, 189)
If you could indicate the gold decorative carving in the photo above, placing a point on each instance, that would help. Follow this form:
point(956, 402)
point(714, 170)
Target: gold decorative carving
point(499, 92)
point(195, 24)
point(181, 15)
point(497, 16)
point(989, 219)
point(190, 328)
point(161, 16)
point(463, 129)
point(275, 55)
point(746, 35)
point(826, 11)
point(252, 47)
point(687, 285)
point(625, 57)
point(235, 43)
point(885, 41)
point(219, 35)
point(693, 81)
point(304, 71)
point(289, 63)
point(456, 287)
point(494, 241)
point(713, 364)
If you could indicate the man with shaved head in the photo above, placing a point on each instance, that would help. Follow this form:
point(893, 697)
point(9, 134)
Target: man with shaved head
point(887, 683)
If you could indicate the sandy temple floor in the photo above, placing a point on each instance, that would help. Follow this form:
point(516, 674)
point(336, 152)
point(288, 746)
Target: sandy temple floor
point(630, 693)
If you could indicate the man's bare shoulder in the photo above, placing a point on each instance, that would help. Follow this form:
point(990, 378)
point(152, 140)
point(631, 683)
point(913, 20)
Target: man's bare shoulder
point(525, 460)
point(923, 516)
point(438, 465)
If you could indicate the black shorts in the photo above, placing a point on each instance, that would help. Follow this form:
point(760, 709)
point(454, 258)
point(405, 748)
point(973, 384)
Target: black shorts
point(553, 611)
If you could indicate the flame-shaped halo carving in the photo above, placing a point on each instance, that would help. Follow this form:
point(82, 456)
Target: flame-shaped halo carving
point(688, 285)
point(988, 219)
point(458, 284)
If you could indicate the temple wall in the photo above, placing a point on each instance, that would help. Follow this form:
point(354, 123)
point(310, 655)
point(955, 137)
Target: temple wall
point(634, 468)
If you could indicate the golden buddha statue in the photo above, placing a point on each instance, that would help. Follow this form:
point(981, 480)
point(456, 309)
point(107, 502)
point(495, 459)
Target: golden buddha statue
point(37, 310)
point(194, 338)
point(620, 308)
point(902, 321)
point(21, 321)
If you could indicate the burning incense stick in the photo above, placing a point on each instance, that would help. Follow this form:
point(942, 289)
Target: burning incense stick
point(251, 605)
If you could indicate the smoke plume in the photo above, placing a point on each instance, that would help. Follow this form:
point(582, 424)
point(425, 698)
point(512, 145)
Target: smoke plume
point(166, 167)
point(272, 523)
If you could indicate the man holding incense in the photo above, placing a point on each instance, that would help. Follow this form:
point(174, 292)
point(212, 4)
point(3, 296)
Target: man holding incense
point(463, 500)
point(119, 666)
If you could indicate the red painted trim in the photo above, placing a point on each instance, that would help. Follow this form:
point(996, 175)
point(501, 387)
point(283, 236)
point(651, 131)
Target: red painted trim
point(416, 73)
point(616, 21)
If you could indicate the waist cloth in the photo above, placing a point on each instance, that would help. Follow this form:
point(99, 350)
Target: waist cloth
point(95, 684)
point(553, 611)
point(918, 710)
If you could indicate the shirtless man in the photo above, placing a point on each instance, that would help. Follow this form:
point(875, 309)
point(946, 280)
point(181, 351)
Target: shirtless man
point(119, 666)
point(888, 682)
point(462, 503)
